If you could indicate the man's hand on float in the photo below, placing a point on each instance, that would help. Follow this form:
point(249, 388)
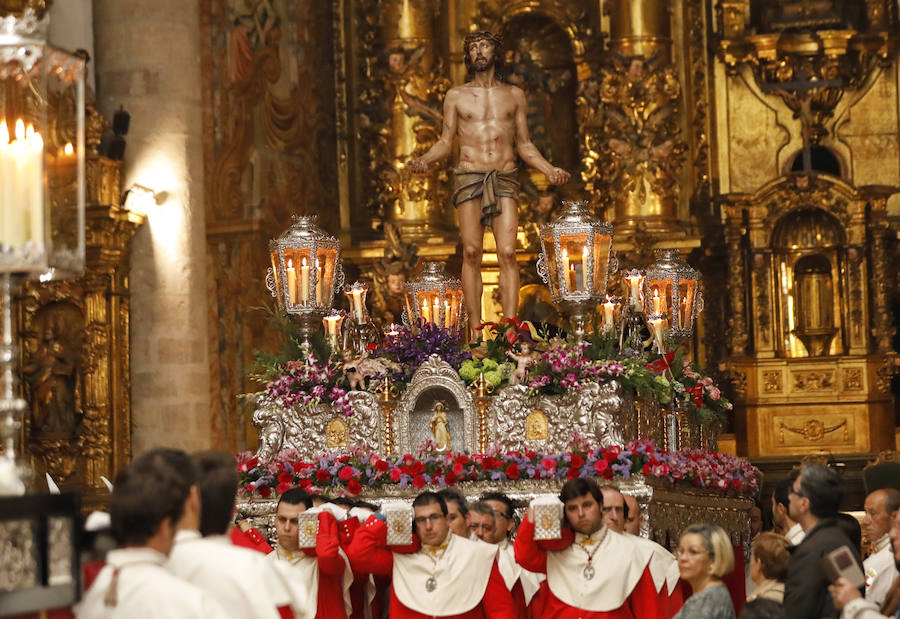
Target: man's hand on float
point(417, 166)
point(842, 592)
point(558, 176)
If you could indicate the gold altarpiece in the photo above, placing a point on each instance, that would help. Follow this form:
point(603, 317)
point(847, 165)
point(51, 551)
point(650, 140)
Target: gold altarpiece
point(75, 349)
point(653, 105)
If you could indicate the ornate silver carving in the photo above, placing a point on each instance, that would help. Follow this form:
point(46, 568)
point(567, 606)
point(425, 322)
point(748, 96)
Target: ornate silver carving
point(306, 429)
point(593, 410)
point(434, 284)
point(19, 567)
point(685, 282)
point(436, 378)
point(270, 282)
point(59, 536)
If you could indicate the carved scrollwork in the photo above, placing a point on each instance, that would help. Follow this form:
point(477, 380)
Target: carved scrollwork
point(310, 430)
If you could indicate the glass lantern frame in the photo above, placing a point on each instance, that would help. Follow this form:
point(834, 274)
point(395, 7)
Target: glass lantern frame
point(666, 281)
point(42, 201)
point(299, 288)
point(435, 288)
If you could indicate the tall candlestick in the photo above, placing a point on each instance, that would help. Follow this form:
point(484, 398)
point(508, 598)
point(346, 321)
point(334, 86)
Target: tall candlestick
point(357, 304)
point(608, 309)
point(656, 301)
point(656, 326)
point(292, 282)
point(22, 191)
point(446, 315)
point(584, 269)
point(436, 312)
point(634, 281)
point(565, 269)
point(425, 311)
point(304, 282)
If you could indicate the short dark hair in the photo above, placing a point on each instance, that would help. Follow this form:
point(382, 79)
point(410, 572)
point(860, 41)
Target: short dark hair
point(782, 492)
point(366, 505)
point(483, 508)
point(823, 488)
point(428, 497)
point(495, 39)
point(617, 489)
point(296, 496)
point(343, 501)
point(850, 526)
point(891, 499)
point(144, 495)
point(579, 487)
point(218, 482)
point(177, 459)
point(501, 498)
point(762, 608)
point(453, 494)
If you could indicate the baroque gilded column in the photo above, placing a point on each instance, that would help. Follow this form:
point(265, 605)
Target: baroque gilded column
point(641, 97)
point(414, 92)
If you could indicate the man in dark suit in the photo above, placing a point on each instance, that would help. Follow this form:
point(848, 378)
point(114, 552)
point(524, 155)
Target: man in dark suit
point(814, 500)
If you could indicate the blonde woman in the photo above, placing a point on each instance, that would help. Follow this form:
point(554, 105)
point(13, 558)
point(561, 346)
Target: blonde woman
point(768, 566)
point(704, 556)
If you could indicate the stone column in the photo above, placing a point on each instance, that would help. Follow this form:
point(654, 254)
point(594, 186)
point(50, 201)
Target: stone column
point(148, 60)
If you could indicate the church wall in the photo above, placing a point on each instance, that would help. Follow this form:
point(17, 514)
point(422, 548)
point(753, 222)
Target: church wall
point(871, 134)
point(148, 60)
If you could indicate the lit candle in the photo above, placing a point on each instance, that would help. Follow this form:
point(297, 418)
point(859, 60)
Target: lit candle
point(446, 314)
point(565, 269)
point(425, 313)
point(436, 312)
point(332, 324)
point(656, 301)
point(657, 326)
point(357, 304)
point(608, 309)
point(292, 282)
point(304, 282)
point(573, 278)
point(682, 315)
point(634, 281)
point(22, 191)
point(319, 299)
point(584, 267)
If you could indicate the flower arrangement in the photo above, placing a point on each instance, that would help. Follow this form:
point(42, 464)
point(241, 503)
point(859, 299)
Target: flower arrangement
point(565, 366)
point(308, 383)
point(411, 348)
point(353, 471)
point(697, 392)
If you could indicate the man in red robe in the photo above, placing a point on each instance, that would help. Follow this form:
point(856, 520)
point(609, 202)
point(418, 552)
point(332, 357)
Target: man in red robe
point(440, 574)
point(319, 577)
point(592, 572)
point(492, 522)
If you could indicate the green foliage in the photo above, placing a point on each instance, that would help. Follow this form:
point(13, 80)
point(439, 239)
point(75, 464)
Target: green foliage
point(266, 365)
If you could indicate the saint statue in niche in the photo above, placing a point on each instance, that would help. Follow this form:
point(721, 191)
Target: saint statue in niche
point(51, 375)
point(439, 429)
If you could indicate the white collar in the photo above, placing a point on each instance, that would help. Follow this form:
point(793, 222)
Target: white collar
point(187, 535)
point(124, 557)
point(883, 542)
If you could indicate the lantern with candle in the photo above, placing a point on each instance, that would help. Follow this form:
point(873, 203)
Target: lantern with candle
point(42, 122)
point(359, 331)
point(42, 189)
point(305, 273)
point(435, 297)
point(576, 260)
point(672, 292)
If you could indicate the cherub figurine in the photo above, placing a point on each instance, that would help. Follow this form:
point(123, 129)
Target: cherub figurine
point(524, 360)
point(351, 371)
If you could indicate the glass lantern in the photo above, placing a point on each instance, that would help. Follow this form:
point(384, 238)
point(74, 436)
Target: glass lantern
point(672, 292)
point(356, 297)
point(435, 297)
point(306, 268)
point(576, 255)
point(42, 122)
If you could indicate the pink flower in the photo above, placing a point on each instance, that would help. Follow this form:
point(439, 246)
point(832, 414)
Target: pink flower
point(548, 464)
point(395, 474)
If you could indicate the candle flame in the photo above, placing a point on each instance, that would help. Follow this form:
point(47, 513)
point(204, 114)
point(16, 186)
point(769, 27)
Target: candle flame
point(584, 251)
point(4, 132)
point(656, 293)
point(565, 254)
point(20, 129)
point(68, 149)
point(290, 264)
point(304, 262)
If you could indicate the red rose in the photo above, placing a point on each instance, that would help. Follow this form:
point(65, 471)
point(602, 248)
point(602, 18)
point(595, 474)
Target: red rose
point(304, 484)
point(247, 465)
point(250, 488)
point(450, 478)
point(417, 468)
point(419, 481)
point(408, 459)
point(602, 467)
point(530, 454)
point(737, 485)
point(646, 469)
point(457, 468)
point(282, 488)
point(577, 461)
point(323, 475)
point(610, 456)
point(548, 464)
point(382, 466)
point(490, 463)
point(354, 486)
point(572, 472)
point(265, 492)
point(285, 478)
point(343, 459)
point(462, 459)
point(371, 346)
point(395, 474)
point(346, 473)
point(512, 471)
